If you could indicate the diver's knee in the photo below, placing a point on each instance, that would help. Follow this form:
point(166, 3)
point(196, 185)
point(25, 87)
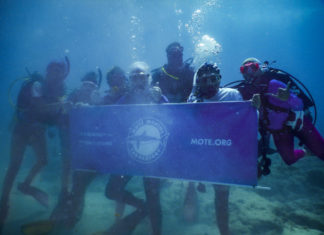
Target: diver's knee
point(111, 192)
point(42, 162)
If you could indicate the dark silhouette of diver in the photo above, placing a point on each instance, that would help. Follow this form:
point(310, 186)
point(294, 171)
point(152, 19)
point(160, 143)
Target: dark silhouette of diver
point(68, 210)
point(175, 80)
point(139, 93)
point(34, 112)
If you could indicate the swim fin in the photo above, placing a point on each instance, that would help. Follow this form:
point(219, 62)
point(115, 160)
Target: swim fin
point(41, 227)
point(36, 193)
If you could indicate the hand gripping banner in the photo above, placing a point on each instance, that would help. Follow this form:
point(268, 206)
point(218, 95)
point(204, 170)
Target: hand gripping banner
point(215, 142)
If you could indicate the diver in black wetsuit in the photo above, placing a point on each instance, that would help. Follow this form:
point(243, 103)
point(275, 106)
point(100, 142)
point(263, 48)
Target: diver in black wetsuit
point(139, 93)
point(174, 78)
point(38, 105)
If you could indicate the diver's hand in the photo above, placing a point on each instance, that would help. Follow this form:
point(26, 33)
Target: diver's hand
point(282, 93)
point(156, 94)
point(66, 106)
point(256, 101)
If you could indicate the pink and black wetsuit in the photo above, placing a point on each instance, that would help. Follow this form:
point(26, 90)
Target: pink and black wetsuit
point(286, 119)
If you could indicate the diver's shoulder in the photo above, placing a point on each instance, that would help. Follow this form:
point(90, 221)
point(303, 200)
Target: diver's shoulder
point(230, 93)
point(157, 70)
point(228, 90)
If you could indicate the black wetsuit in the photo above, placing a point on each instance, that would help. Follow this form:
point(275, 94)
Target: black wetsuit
point(175, 85)
point(28, 131)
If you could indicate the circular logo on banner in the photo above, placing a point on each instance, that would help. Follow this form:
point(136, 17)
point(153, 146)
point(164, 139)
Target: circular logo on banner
point(147, 139)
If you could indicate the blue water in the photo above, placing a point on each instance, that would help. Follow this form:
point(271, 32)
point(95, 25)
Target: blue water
point(106, 33)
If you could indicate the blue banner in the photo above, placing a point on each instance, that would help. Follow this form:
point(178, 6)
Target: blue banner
point(214, 142)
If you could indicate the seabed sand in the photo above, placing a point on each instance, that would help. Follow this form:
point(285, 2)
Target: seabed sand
point(294, 205)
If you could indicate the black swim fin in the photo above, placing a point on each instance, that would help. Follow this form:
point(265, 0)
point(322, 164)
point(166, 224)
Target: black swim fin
point(126, 225)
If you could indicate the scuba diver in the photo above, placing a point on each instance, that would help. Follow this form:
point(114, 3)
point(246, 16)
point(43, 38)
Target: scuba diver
point(206, 88)
point(174, 78)
point(70, 206)
point(284, 111)
point(88, 93)
point(27, 131)
point(69, 209)
point(117, 82)
point(36, 107)
point(56, 110)
point(138, 93)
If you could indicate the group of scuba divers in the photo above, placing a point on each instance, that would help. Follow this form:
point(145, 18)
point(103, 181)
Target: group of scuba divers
point(283, 113)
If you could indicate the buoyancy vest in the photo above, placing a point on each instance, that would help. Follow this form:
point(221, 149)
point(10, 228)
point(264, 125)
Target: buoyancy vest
point(24, 106)
point(176, 86)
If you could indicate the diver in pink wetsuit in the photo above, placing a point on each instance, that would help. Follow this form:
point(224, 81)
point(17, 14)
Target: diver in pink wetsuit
point(283, 113)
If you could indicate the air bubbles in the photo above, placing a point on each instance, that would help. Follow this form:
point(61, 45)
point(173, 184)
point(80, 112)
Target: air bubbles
point(178, 11)
point(136, 32)
point(206, 50)
point(196, 23)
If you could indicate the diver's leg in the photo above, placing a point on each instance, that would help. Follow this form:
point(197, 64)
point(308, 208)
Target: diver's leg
point(284, 141)
point(221, 207)
point(190, 205)
point(66, 170)
point(60, 212)
point(18, 147)
point(38, 143)
point(152, 191)
point(80, 182)
point(119, 210)
point(115, 190)
point(311, 137)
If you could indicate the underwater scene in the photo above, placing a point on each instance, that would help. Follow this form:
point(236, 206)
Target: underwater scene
point(183, 117)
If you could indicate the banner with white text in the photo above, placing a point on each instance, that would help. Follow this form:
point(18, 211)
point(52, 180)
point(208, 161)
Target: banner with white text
point(215, 142)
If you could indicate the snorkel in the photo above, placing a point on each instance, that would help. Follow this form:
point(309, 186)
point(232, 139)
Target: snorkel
point(99, 76)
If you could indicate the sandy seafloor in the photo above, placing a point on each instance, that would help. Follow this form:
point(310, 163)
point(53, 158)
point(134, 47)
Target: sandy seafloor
point(294, 205)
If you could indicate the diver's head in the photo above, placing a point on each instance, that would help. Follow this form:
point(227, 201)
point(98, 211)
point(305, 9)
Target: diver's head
point(174, 54)
point(36, 76)
point(207, 80)
point(116, 78)
point(139, 75)
point(90, 77)
point(56, 71)
point(251, 69)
